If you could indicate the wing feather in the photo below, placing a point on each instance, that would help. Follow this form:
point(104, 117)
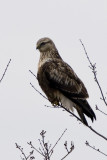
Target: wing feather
point(61, 76)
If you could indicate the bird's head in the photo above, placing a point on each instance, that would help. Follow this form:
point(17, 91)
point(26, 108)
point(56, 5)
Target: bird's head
point(45, 44)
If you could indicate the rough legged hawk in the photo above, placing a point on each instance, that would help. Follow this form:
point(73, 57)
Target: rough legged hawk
point(60, 83)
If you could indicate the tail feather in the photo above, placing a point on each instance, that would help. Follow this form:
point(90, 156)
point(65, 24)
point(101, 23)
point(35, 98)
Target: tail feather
point(82, 116)
point(84, 108)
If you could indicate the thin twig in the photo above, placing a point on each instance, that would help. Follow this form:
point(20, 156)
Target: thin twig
point(29, 156)
point(100, 110)
point(30, 143)
point(33, 74)
point(21, 149)
point(25, 157)
point(66, 155)
point(87, 144)
point(46, 150)
point(74, 116)
point(58, 140)
point(42, 150)
point(68, 151)
point(38, 91)
point(5, 71)
point(93, 68)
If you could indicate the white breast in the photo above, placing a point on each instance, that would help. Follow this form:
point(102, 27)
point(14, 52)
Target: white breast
point(43, 61)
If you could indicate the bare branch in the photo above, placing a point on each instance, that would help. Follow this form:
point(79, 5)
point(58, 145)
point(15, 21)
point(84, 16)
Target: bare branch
point(22, 152)
point(38, 91)
point(21, 149)
point(68, 150)
point(33, 74)
point(57, 141)
point(5, 71)
point(97, 133)
point(74, 116)
point(45, 148)
point(86, 125)
point(31, 145)
point(93, 68)
point(100, 110)
point(87, 144)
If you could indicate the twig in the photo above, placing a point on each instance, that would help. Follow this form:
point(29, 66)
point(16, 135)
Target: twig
point(100, 110)
point(68, 151)
point(33, 74)
point(87, 144)
point(93, 68)
point(38, 91)
point(21, 149)
point(30, 143)
point(45, 149)
point(44, 145)
point(25, 157)
point(5, 71)
point(57, 141)
point(74, 116)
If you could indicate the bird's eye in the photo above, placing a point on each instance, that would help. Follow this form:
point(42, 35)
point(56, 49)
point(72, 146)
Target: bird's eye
point(43, 43)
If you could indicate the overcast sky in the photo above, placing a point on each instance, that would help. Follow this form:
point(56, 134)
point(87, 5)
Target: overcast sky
point(22, 110)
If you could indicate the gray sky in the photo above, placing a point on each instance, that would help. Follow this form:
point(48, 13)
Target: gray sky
point(22, 111)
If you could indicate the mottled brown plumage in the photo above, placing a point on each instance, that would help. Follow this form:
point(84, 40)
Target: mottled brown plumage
point(59, 82)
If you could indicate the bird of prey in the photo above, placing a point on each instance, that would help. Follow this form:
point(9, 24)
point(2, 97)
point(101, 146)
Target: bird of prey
point(60, 83)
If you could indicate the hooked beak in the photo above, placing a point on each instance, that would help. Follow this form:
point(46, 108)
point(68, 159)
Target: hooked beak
point(37, 47)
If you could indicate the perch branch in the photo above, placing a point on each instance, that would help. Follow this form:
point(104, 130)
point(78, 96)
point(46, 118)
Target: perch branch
point(73, 115)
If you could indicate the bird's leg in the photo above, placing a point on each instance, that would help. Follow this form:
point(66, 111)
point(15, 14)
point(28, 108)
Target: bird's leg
point(55, 102)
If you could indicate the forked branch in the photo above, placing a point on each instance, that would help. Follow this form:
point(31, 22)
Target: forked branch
point(100, 110)
point(68, 150)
